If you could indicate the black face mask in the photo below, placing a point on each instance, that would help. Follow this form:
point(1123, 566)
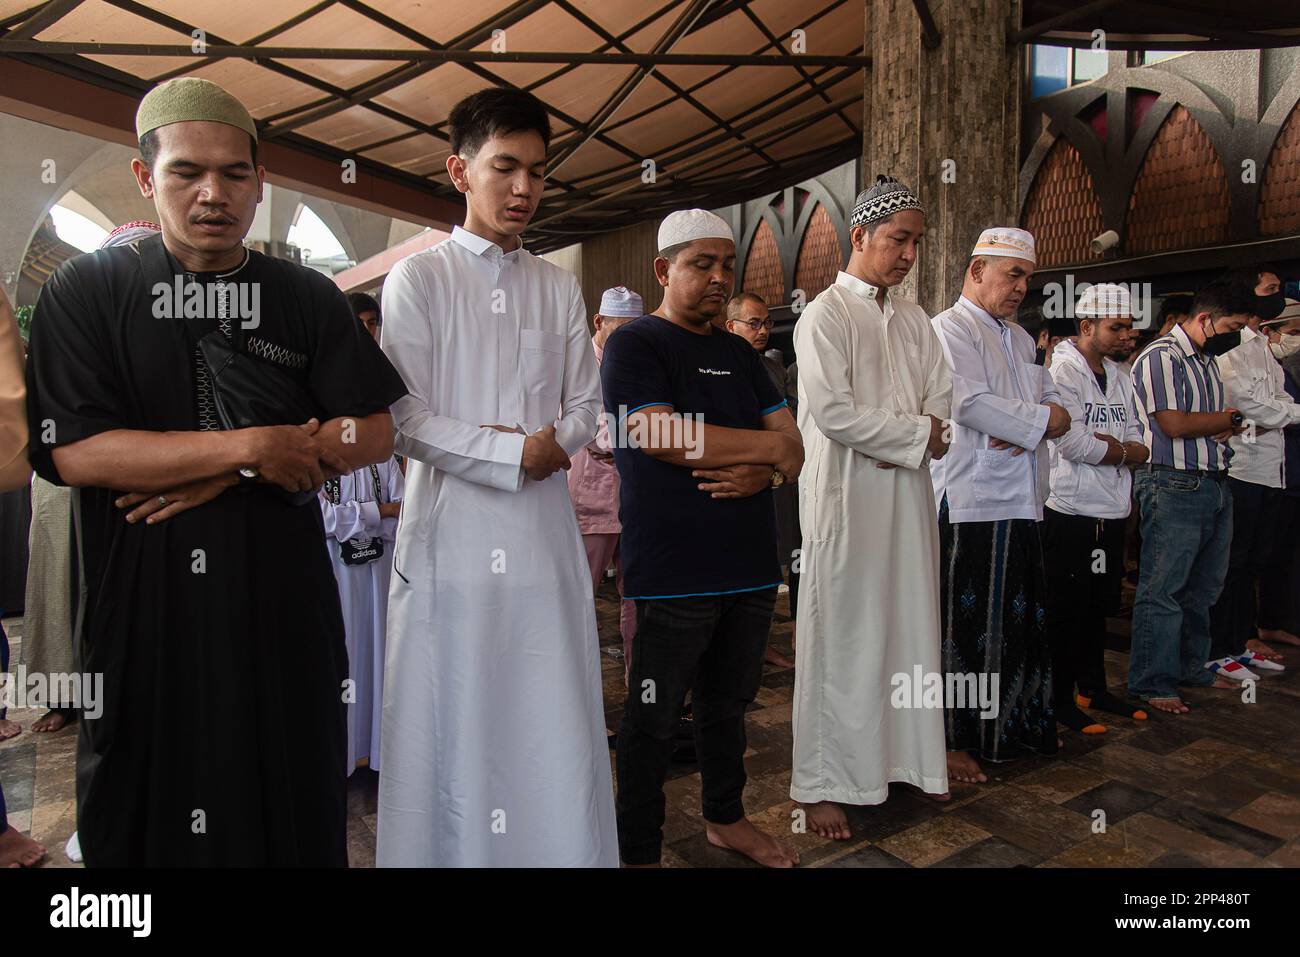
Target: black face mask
point(1217, 343)
point(1270, 306)
point(1040, 356)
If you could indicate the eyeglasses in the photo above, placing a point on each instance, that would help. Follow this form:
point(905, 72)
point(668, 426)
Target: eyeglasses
point(757, 324)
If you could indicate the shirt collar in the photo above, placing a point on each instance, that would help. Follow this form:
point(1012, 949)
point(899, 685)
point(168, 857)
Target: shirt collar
point(480, 246)
point(860, 288)
point(981, 313)
point(1184, 342)
point(1248, 334)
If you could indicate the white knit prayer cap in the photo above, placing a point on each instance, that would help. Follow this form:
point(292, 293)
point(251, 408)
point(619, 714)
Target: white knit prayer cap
point(688, 225)
point(1105, 300)
point(1005, 241)
point(621, 302)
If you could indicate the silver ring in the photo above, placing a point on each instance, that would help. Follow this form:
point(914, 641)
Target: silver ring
point(162, 501)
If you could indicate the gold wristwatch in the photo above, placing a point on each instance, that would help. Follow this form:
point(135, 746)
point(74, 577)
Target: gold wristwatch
point(777, 479)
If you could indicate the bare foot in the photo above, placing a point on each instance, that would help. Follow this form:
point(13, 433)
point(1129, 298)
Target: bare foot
point(774, 657)
point(743, 838)
point(19, 850)
point(9, 729)
point(51, 721)
point(827, 819)
point(1278, 636)
point(1262, 650)
point(964, 768)
point(1169, 705)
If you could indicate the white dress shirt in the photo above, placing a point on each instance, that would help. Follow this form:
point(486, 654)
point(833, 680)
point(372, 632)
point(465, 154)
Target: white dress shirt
point(1253, 381)
point(997, 392)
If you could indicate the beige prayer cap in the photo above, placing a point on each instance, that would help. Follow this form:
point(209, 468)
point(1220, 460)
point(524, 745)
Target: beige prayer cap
point(190, 98)
point(1006, 241)
point(688, 225)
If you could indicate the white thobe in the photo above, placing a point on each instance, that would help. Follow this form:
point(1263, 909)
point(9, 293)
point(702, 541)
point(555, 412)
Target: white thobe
point(363, 592)
point(494, 730)
point(869, 588)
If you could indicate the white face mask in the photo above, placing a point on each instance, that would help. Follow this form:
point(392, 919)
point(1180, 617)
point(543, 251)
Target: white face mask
point(1288, 346)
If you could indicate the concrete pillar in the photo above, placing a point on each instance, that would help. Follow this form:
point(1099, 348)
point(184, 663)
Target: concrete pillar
point(945, 121)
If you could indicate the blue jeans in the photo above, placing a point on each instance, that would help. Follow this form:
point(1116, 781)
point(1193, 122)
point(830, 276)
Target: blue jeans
point(1186, 534)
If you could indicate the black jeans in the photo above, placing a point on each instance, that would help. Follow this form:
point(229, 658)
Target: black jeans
point(1085, 561)
point(1254, 524)
point(713, 647)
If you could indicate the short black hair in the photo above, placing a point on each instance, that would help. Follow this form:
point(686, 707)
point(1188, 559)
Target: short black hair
point(363, 302)
point(149, 148)
point(1176, 305)
point(1266, 267)
point(1226, 296)
point(482, 115)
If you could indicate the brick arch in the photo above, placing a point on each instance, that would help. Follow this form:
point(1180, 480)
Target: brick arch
point(1279, 194)
point(1180, 197)
point(819, 255)
point(1061, 208)
point(763, 273)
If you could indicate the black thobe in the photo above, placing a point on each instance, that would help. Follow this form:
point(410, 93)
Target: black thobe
point(218, 632)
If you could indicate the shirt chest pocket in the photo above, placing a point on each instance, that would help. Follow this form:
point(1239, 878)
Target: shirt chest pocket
point(541, 362)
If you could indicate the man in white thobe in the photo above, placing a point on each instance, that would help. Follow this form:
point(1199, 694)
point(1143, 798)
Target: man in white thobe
point(873, 393)
point(493, 727)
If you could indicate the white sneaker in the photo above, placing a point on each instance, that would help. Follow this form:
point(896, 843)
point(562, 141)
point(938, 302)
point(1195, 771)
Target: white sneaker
point(1230, 667)
point(73, 849)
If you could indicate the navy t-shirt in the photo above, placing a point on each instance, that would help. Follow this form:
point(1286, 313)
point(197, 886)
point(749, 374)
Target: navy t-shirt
point(678, 541)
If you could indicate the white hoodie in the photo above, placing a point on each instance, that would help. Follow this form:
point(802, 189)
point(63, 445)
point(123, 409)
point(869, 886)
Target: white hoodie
point(1079, 485)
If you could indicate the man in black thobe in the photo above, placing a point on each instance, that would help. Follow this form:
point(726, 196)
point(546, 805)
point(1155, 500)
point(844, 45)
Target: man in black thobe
point(212, 611)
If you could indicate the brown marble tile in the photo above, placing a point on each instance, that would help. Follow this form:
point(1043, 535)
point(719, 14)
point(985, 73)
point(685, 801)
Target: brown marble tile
point(1027, 821)
point(1058, 782)
point(1175, 837)
point(869, 855)
point(1276, 814)
point(1115, 799)
point(932, 841)
point(1210, 754)
point(1118, 847)
point(1288, 856)
point(1220, 828)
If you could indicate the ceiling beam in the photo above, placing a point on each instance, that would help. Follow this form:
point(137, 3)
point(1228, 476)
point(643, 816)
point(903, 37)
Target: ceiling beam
point(763, 28)
point(1069, 18)
point(677, 89)
point(43, 19)
point(238, 51)
point(93, 109)
point(929, 29)
point(679, 27)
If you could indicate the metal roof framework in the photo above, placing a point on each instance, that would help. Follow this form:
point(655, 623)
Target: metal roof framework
point(654, 105)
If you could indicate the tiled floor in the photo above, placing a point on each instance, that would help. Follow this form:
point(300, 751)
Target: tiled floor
point(1217, 787)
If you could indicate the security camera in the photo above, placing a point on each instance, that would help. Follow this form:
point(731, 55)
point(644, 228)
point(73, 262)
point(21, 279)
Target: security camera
point(1107, 240)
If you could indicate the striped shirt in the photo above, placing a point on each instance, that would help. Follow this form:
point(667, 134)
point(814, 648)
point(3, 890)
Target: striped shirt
point(1172, 374)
